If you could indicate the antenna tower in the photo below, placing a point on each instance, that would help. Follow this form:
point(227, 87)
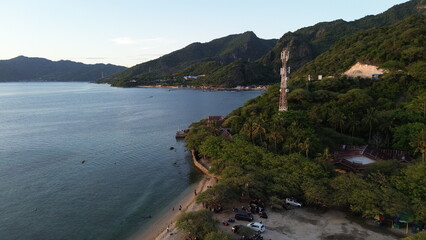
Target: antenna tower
point(283, 105)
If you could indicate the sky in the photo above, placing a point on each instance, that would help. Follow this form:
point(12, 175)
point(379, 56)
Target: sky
point(129, 32)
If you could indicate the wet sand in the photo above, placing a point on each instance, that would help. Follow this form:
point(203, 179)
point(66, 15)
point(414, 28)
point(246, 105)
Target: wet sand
point(158, 229)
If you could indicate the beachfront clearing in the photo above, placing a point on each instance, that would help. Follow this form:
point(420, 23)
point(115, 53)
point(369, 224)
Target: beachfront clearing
point(293, 224)
point(306, 224)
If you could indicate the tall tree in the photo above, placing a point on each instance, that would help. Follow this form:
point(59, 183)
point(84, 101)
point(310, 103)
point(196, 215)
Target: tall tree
point(419, 143)
point(370, 118)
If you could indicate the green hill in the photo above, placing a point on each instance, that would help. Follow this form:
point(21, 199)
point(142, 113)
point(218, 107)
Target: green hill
point(244, 59)
point(308, 43)
point(197, 58)
point(273, 155)
point(400, 47)
point(39, 69)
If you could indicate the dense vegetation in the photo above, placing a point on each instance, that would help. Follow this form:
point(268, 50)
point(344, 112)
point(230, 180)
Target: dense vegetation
point(307, 43)
point(273, 155)
point(216, 59)
point(39, 69)
point(201, 224)
point(397, 47)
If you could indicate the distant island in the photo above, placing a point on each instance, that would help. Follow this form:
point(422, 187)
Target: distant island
point(21, 69)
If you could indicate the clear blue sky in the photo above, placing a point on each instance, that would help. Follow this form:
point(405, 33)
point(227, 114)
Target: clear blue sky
point(129, 32)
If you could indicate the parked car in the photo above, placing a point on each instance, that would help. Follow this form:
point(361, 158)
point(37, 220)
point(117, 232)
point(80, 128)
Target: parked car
point(256, 226)
point(240, 215)
point(293, 202)
point(263, 215)
point(235, 228)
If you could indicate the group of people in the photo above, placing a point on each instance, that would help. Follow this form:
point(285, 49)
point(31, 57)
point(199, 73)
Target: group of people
point(180, 208)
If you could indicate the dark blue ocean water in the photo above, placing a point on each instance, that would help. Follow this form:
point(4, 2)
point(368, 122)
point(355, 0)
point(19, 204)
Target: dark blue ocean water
point(123, 136)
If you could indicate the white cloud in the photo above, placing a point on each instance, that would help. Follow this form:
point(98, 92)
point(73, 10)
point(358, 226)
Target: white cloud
point(153, 40)
point(146, 41)
point(124, 41)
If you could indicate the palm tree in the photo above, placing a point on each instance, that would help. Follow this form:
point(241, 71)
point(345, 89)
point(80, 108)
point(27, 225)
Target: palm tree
point(249, 128)
point(337, 119)
point(275, 136)
point(304, 146)
point(419, 143)
point(370, 118)
point(258, 131)
point(386, 125)
point(276, 131)
point(418, 104)
point(352, 123)
point(341, 121)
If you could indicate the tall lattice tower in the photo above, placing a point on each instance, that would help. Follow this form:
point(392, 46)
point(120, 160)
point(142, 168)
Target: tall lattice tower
point(283, 105)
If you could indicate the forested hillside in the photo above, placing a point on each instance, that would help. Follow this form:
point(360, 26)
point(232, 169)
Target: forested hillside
point(273, 155)
point(244, 59)
point(307, 43)
point(196, 59)
point(39, 69)
point(400, 47)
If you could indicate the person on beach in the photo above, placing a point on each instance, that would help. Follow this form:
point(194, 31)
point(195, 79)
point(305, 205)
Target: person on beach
point(168, 228)
point(180, 207)
point(195, 192)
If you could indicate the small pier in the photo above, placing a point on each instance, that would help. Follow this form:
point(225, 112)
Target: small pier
point(182, 133)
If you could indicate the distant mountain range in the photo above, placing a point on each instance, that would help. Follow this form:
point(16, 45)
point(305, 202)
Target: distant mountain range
point(40, 69)
point(244, 59)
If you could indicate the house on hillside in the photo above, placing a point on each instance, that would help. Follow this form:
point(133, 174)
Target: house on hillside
point(364, 71)
point(356, 158)
point(190, 77)
point(225, 133)
point(217, 120)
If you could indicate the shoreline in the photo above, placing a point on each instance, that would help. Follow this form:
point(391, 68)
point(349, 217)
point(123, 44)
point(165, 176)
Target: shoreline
point(206, 88)
point(157, 229)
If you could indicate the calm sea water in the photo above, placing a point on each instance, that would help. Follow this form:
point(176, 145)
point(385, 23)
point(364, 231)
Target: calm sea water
point(87, 161)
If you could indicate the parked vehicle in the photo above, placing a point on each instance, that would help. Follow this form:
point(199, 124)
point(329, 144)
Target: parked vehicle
point(293, 202)
point(263, 215)
point(256, 226)
point(235, 228)
point(240, 215)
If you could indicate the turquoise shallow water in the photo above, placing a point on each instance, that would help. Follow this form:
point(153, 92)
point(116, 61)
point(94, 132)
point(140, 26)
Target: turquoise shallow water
point(123, 136)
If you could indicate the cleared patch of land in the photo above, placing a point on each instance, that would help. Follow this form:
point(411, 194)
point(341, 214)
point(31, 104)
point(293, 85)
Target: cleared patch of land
point(307, 224)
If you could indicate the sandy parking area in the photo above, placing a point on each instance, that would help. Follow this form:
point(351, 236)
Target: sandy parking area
point(292, 224)
point(306, 224)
